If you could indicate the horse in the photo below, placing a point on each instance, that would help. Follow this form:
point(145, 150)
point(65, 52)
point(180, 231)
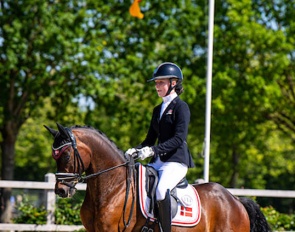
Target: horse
point(85, 154)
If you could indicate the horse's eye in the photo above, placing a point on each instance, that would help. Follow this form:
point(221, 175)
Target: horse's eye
point(65, 157)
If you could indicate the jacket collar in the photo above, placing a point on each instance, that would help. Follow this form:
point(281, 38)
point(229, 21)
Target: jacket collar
point(169, 98)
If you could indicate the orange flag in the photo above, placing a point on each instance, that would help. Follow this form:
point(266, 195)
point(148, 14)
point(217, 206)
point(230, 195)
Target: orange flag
point(134, 9)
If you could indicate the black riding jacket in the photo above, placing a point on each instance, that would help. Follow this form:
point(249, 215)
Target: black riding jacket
point(170, 132)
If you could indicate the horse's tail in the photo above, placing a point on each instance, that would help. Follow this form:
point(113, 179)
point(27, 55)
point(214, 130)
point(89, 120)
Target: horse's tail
point(258, 221)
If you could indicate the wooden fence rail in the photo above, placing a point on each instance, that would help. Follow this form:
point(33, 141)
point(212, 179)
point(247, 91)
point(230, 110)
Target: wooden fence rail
point(50, 200)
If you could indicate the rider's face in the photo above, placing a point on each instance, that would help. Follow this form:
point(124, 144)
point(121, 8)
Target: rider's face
point(162, 86)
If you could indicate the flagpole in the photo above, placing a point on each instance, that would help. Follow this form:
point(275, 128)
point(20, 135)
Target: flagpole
point(209, 90)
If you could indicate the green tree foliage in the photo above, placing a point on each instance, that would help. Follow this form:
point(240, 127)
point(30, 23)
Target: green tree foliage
point(279, 16)
point(41, 56)
point(249, 60)
point(66, 53)
point(33, 151)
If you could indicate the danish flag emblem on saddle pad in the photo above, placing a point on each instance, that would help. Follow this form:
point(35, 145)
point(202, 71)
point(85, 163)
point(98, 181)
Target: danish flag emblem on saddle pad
point(188, 202)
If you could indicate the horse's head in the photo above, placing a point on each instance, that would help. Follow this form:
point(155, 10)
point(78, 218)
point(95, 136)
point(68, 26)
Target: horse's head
point(70, 165)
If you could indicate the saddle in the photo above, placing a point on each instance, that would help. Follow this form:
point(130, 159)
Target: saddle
point(185, 202)
point(152, 180)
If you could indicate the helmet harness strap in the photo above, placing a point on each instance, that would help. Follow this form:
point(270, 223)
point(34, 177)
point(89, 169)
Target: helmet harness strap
point(171, 87)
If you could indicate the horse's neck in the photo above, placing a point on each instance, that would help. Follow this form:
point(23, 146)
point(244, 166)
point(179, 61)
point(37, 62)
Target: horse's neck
point(104, 156)
point(109, 181)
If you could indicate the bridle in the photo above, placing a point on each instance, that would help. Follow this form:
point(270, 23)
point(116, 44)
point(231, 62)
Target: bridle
point(77, 177)
point(71, 179)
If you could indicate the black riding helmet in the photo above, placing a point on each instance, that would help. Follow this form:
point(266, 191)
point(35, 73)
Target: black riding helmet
point(169, 71)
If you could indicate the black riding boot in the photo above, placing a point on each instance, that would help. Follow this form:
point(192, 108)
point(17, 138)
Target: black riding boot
point(164, 214)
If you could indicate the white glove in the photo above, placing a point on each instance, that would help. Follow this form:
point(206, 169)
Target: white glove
point(145, 152)
point(131, 152)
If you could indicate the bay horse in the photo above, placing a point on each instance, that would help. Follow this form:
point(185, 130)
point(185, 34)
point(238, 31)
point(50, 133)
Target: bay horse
point(84, 154)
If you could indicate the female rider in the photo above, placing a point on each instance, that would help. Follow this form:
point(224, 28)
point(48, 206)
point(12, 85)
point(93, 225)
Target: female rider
point(169, 127)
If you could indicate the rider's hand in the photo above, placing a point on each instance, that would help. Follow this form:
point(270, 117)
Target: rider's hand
point(145, 152)
point(131, 152)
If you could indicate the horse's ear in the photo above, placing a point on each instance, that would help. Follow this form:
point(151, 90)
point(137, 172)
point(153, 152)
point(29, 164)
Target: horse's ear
point(62, 131)
point(52, 131)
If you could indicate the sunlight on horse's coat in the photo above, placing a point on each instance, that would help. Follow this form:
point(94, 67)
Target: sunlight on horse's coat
point(111, 199)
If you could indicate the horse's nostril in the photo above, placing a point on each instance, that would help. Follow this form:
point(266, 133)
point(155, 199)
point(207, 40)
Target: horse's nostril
point(60, 192)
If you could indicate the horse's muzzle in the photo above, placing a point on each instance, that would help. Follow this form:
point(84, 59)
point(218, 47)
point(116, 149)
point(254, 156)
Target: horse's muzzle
point(65, 189)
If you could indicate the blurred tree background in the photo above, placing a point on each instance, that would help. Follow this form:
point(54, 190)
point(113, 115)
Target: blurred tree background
point(86, 62)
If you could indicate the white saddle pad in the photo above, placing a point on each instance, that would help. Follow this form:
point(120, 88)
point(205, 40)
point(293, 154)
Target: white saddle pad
point(188, 209)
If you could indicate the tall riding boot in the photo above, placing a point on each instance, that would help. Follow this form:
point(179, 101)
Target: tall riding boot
point(164, 214)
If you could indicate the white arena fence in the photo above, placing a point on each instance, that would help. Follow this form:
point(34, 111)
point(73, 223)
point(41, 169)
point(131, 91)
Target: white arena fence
point(50, 200)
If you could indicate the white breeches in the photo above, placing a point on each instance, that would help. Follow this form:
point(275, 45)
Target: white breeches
point(170, 173)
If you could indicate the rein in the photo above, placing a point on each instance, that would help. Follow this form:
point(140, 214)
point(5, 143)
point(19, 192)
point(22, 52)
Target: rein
point(75, 178)
point(65, 176)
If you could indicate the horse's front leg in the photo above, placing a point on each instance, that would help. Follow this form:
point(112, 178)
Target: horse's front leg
point(87, 214)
